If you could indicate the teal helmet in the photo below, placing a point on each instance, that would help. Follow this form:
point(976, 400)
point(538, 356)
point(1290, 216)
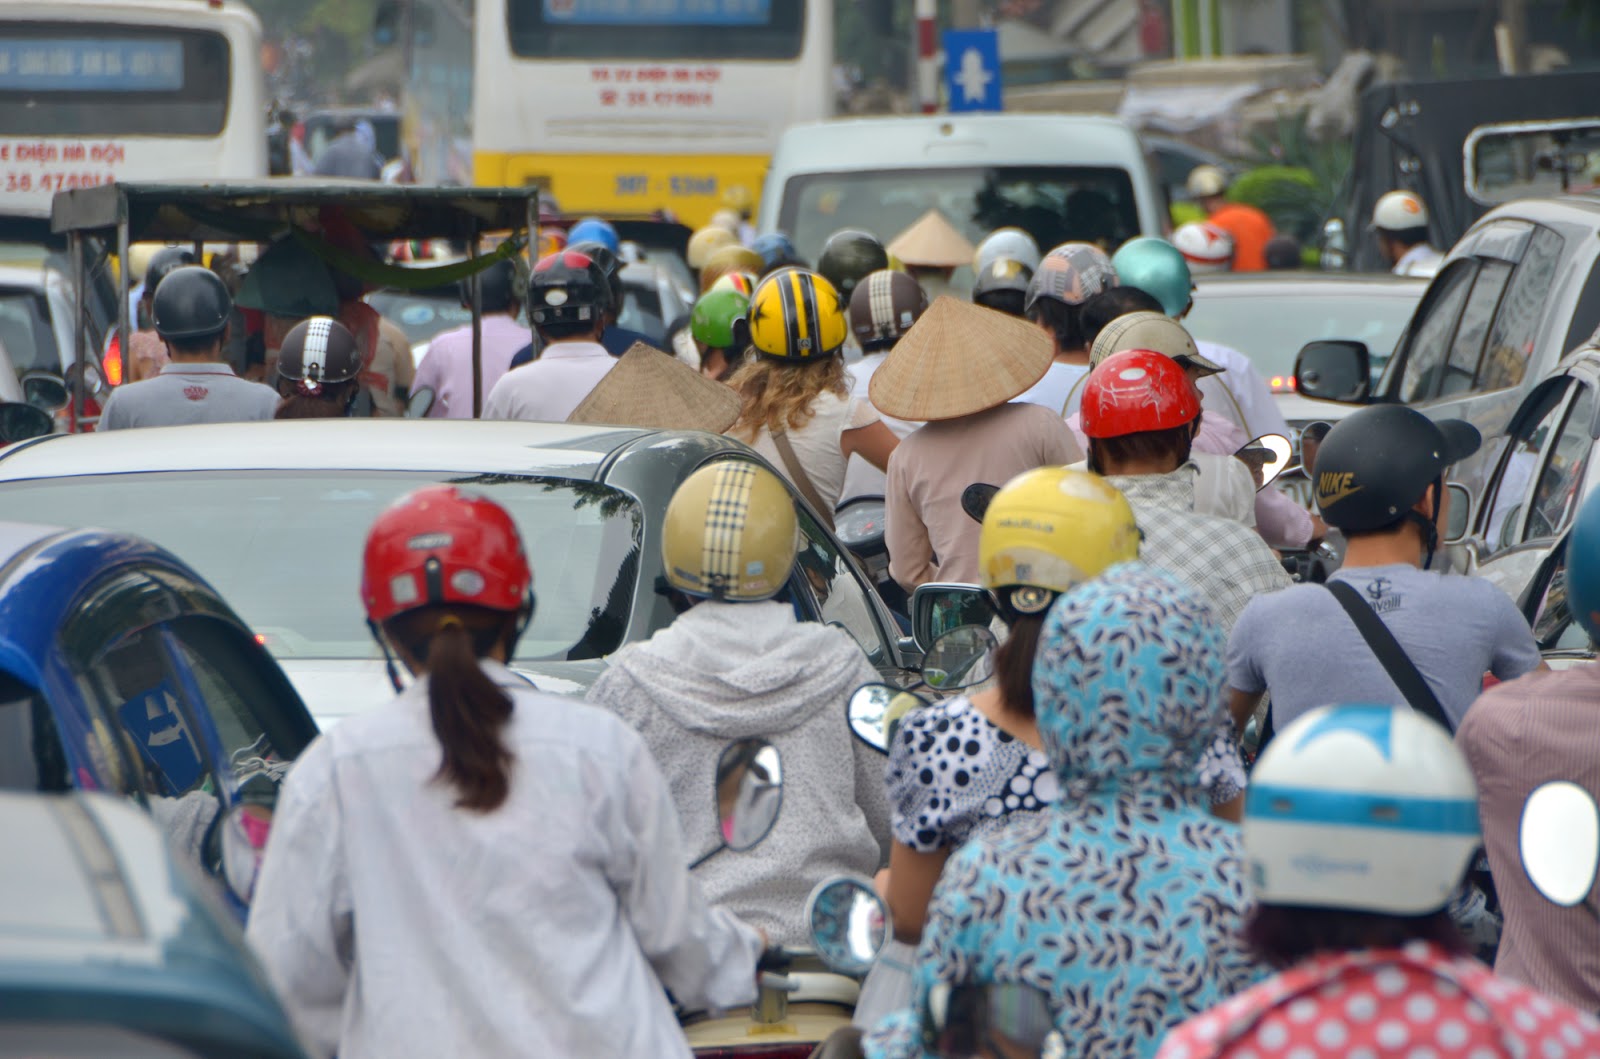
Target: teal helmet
point(715, 316)
point(1583, 568)
point(1156, 267)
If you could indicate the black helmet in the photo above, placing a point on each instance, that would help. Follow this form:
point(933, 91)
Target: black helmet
point(316, 352)
point(162, 263)
point(1376, 463)
point(496, 287)
point(609, 263)
point(883, 308)
point(1002, 284)
point(567, 288)
point(191, 303)
point(849, 256)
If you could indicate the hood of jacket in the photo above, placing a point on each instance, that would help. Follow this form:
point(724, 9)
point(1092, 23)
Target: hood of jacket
point(744, 669)
point(1128, 683)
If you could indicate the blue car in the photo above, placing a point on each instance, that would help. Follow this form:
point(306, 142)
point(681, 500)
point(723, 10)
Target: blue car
point(108, 946)
point(122, 671)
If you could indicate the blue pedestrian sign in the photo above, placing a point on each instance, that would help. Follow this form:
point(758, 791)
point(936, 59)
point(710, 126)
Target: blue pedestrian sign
point(972, 69)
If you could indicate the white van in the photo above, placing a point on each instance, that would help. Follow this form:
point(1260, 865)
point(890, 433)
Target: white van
point(1060, 177)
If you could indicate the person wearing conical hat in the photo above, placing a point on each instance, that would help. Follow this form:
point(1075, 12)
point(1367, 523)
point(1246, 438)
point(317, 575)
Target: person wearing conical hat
point(957, 371)
point(931, 250)
point(649, 388)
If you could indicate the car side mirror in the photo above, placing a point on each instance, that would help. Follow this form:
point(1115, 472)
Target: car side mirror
point(1334, 369)
point(1455, 530)
point(849, 923)
point(875, 711)
point(45, 390)
point(939, 607)
point(19, 422)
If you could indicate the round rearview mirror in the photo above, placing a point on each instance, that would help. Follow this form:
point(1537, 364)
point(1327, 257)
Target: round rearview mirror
point(19, 422)
point(1267, 457)
point(243, 834)
point(44, 390)
point(975, 499)
point(1001, 1019)
point(849, 923)
point(1559, 841)
point(420, 404)
point(875, 711)
point(749, 792)
point(959, 659)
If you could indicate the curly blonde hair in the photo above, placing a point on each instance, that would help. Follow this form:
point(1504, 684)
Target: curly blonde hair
point(782, 396)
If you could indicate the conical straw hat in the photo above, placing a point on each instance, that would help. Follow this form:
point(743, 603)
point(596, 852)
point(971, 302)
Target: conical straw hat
point(959, 359)
point(648, 388)
point(932, 242)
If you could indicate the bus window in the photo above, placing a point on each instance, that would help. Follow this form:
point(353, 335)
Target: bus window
point(659, 29)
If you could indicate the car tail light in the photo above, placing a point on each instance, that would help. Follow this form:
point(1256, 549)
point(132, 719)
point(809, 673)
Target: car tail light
point(113, 361)
point(758, 1051)
point(1282, 383)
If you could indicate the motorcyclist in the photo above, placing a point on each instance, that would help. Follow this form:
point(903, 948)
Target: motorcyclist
point(617, 339)
point(568, 301)
point(1139, 412)
point(1380, 481)
point(1002, 285)
point(1518, 737)
point(1205, 247)
point(146, 352)
point(288, 283)
point(481, 868)
point(1249, 228)
point(882, 310)
point(849, 256)
point(728, 261)
point(595, 230)
point(1400, 220)
point(1127, 685)
point(1006, 244)
point(777, 251)
point(1068, 276)
point(959, 370)
point(737, 663)
point(191, 308)
point(798, 410)
point(931, 250)
point(317, 370)
point(721, 331)
point(447, 369)
point(1361, 823)
point(705, 242)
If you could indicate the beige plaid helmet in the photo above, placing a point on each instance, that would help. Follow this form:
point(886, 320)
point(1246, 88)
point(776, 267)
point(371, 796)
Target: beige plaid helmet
point(730, 533)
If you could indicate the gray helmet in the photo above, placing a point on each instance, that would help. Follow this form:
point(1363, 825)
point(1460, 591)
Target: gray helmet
point(1071, 273)
point(191, 303)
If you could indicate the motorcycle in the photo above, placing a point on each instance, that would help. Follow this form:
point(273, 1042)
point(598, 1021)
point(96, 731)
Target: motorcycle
point(955, 661)
point(859, 524)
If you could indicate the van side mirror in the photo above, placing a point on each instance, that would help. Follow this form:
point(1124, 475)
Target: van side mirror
point(1460, 521)
point(1334, 369)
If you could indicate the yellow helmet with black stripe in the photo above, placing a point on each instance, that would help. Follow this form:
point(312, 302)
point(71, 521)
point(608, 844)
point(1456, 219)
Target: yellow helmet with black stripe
point(730, 533)
point(795, 314)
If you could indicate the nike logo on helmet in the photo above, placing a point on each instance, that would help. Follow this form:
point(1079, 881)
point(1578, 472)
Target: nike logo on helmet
point(1334, 486)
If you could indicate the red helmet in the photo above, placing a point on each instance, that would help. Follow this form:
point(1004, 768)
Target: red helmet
point(1137, 391)
point(440, 545)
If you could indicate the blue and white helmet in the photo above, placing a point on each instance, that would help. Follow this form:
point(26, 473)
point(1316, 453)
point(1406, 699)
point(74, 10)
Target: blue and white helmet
point(316, 352)
point(1367, 808)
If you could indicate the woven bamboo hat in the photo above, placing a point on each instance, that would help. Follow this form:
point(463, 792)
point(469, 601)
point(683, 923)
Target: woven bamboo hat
point(959, 359)
point(1153, 331)
point(932, 242)
point(648, 388)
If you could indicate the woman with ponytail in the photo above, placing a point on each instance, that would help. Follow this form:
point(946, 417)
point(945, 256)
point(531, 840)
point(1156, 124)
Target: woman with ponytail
point(480, 868)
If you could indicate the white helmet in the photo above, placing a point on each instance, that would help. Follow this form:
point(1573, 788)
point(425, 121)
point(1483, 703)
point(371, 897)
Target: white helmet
point(1205, 181)
point(1006, 244)
point(1399, 211)
point(1369, 808)
point(1204, 246)
point(727, 219)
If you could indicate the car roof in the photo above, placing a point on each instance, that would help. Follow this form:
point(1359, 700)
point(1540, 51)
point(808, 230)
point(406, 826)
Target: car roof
point(1546, 210)
point(1362, 283)
point(19, 276)
point(434, 445)
point(954, 141)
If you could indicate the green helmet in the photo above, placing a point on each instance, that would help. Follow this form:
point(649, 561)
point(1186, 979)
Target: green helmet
point(1156, 267)
point(714, 316)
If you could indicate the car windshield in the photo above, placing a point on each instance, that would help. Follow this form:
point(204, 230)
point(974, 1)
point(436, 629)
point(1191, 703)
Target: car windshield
point(1054, 204)
point(284, 547)
point(1269, 324)
point(421, 314)
point(25, 331)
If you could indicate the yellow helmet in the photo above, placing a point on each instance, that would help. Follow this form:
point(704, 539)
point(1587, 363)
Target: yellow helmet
point(705, 242)
point(726, 260)
point(1050, 529)
point(730, 533)
point(737, 197)
point(795, 314)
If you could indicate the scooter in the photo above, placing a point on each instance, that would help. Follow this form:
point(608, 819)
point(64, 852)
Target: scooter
point(859, 524)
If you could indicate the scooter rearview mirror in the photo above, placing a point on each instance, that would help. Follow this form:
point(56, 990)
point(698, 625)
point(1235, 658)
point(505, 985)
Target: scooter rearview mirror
point(875, 711)
point(975, 499)
point(849, 923)
point(1559, 842)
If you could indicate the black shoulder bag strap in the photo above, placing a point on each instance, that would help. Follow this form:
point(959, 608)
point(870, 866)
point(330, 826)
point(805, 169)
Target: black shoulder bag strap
point(1390, 654)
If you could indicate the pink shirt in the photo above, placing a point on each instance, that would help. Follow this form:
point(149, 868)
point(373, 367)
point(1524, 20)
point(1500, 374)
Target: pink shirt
point(447, 369)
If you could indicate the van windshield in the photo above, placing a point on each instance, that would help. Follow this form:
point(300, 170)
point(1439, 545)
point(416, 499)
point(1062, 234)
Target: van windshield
point(1055, 204)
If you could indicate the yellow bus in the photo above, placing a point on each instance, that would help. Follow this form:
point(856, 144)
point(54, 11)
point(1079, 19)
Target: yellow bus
point(627, 107)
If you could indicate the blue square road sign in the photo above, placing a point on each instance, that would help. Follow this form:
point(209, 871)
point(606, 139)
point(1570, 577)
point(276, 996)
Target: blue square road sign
point(972, 69)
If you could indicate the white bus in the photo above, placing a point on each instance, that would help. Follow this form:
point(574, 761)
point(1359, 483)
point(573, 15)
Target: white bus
point(93, 91)
point(622, 107)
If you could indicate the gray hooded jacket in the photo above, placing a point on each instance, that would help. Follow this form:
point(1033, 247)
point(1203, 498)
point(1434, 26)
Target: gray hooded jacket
point(726, 671)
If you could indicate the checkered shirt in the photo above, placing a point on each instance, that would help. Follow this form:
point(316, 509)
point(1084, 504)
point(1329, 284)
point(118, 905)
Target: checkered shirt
point(1225, 561)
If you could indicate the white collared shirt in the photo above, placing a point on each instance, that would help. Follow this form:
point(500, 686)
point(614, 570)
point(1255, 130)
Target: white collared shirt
point(549, 389)
point(1421, 260)
point(392, 923)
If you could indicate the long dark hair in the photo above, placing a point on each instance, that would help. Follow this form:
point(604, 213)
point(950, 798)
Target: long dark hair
point(469, 711)
point(1283, 936)
point(1013, 659)
point(333, 403)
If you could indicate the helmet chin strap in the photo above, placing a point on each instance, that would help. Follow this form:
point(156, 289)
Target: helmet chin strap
point(1430, 525)
point(388, 657)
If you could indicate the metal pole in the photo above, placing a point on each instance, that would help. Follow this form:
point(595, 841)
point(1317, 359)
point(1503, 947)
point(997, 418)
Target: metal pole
point(124, 284)
point(80, 333)
point(476, 288)
point(927, 12)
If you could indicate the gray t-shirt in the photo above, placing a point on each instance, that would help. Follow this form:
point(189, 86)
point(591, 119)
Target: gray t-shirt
point(1302, 646)
point(188, 393)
